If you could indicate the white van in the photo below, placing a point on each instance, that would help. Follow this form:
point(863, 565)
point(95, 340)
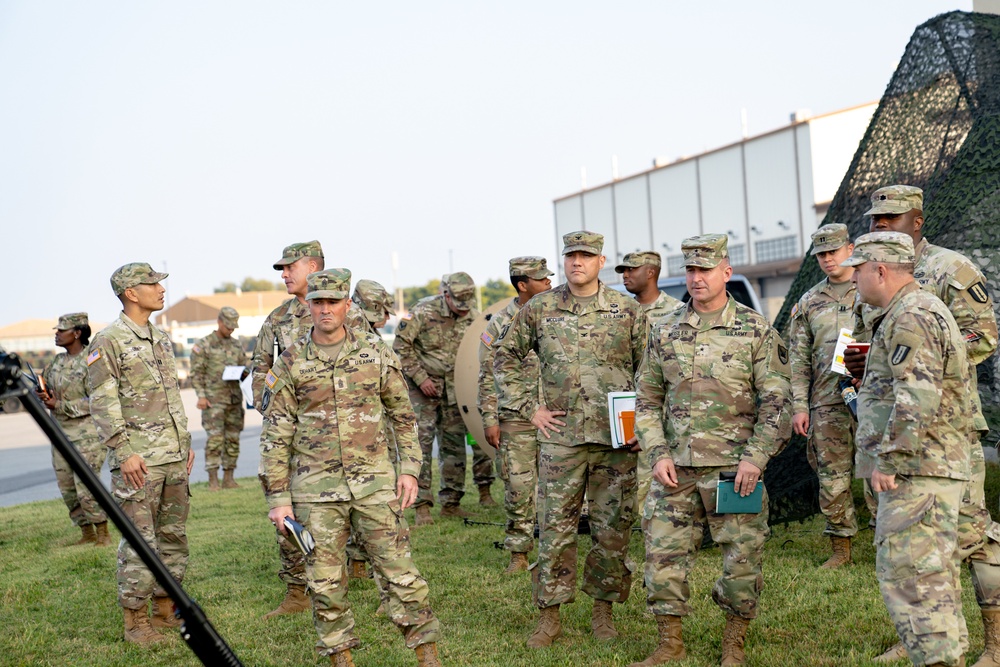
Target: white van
point(676, 286)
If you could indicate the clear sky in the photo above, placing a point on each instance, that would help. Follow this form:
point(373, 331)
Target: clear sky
point(205, 136)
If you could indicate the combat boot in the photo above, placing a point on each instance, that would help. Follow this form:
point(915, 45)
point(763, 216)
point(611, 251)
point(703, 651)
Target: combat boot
point(227, 480)
point(485, 499)
point(295, 601)
point(454, 511)
point(841, 552)
point(549, 628)
point(101, 537)
point(137, 628)
point(342, 659)
point(423, 514)
point(518, 563)
point(357, 569)
point(601, 622)
point(991, 636)
point(163, 613)
point(895, 652)
point(733, 638)
point(213, 479)
point(87, 536)
point(427, 655)
point(671, 646)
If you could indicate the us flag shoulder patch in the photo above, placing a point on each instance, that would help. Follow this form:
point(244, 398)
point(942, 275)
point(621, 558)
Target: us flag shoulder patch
point(93, 356)
point(486, 338)
point(270, 379)
point(900, 354)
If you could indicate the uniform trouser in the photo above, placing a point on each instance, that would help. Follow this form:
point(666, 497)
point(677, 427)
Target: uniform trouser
point(607, 477)
point(378, 521)
point(159, 511)
point(831, 454)
point(83, 508)
point(674, 521)
point(519, 471)
point(917, 566)
point(978, 534)
point(222, 423)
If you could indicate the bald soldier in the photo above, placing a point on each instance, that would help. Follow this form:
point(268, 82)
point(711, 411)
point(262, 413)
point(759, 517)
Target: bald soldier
point(515, 438)
point(220, 401)
point(283, 327)
point(135, 402)
point(912, 422)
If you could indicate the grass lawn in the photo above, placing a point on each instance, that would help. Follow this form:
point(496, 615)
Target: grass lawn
point(57, 605)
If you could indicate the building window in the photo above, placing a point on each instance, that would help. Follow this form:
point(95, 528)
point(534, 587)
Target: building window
point(772, 250)
point(738, 254)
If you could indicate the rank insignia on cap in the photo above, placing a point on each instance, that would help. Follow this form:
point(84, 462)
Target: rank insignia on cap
point(93, 356)
point(882, 197)
point(486, 338)
point(900, 354)
point(270, 379)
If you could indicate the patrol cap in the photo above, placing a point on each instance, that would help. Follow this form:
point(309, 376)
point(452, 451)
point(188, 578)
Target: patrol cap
point(297, 251)
point(462, 289)
point(372, 299)
point(896, 199)
point(706, 251)
point(829, 237)
point(229, 317)
point(328, 284)
point(583, 241)
point(71, 321)
point(884, 247)
point(136, 273)
point(636, 259)
point(531, 267)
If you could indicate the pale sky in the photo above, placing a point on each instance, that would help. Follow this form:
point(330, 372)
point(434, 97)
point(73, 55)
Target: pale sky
point(205, 136)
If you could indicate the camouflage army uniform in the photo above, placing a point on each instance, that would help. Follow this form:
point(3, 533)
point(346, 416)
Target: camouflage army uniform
point(427, 344)
point(135, 402)
point(326, 454)
point(708, 400)
point(223, 419)
point(584, 352)
point(65, 378)
point(817, 319)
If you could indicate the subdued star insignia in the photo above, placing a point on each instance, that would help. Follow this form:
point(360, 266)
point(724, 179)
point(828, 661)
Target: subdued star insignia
point(899, 354)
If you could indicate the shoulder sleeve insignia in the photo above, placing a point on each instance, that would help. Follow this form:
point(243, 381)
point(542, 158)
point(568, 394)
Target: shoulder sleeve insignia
point(270, 379)
point(486, 338)
point(503, 332)
point(402, 324)
point(265, 400)
point(795, 310)
point(900, 354)
point(93, 356)
point(978, 293)
point(782, 353)
point(196, 349)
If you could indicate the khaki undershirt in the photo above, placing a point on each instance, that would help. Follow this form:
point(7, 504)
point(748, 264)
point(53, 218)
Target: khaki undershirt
point(841, 289)
point(332, 351)
point(584, 301)
point(709, 318)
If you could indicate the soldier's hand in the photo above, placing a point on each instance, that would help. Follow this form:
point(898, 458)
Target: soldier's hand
point(190, 463)
point(428, 389)
point(204, 403)
point(747, 475)
point(665, 473)
point(406, 490)
point(277, 517)
point(545, 419)
point(48, 399)
point(633, 444)
point(854, 360)
point(882, 482)
point(134, 471)
point(800, 423)
point(493, 435)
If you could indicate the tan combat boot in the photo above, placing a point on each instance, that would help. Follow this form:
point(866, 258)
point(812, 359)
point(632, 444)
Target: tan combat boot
point(732, 641)
point(342, 659)
point(427, 655)
point(357, 569)
point(295, 601)
point(601, 622)
point(87, 536)
point(137, 628)
point(101, 537)
point(454, 511)
point(841, 552)
point(485, 499)
point(671, 646)
point(895, 652)
point(518, 563)
point(213, 479)
point(991, 635)
point(549, 628)
point(163, 613)
point(423, 516)
point(227, 480)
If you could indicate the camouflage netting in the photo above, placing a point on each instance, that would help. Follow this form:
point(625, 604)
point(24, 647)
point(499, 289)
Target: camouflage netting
point(936, 127)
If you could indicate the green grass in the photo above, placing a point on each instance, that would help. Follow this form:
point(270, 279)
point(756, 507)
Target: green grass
point(57, 605)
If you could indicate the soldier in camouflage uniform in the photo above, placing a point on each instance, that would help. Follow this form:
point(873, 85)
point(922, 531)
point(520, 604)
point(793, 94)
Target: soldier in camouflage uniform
point(135, 402)
point(515, 438)
point(913, 424)
point(325, 460)
point(818, 408)
point(956, 281)
point(283, 327)
point(589, 341)
point(427, 343)
point(220, 401)
point(66, 396)
point(712, 397)
point(640, 273)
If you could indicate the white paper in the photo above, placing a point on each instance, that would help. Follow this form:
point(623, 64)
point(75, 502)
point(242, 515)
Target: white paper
point(843, 340)
point(618, 402)
point(246, 386)
point(233, 373)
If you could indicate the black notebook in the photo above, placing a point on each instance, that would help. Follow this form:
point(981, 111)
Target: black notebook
point(303, 538)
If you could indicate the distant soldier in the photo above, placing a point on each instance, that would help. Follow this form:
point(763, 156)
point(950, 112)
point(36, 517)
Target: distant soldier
point(371, 307)
point(135, 401)
point(427, 343)
point(284, 326)
point(589, 340)
point(712, 397)
point(913, 421)
point(325, 458)
point(515, 437)
point(220, 401)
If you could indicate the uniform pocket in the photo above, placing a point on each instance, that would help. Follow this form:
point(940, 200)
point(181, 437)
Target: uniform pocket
point(906, 540)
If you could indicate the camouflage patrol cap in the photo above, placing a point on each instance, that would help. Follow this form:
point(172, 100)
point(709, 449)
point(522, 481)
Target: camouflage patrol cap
point(461, 288)
point(136, 273)
point(329, 284)
point(883, 247)
point(71, 321)
point(706, 251)
point(896, 199)
point(229, 317)
point(297, 251)
point(372, 299)
point(583, 241)
point(829, 237)
point(636, 259)
point(530, 267)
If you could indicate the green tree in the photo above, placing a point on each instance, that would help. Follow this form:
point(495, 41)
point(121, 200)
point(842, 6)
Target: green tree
point(496, 290)
point(413, 294)
point(250, 285)
point(225, 287)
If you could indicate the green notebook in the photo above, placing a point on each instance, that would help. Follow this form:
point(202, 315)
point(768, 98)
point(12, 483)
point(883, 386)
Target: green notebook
point(728, 501)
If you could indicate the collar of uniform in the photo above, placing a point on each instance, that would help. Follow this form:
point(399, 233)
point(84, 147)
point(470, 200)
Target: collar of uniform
point(726, 320)
point(828, 288)
point(920, 249)
point(145, 333)
point(903, 291)
point(602, 302)
point(298, 308)
point(312, 350)
point(442, 306)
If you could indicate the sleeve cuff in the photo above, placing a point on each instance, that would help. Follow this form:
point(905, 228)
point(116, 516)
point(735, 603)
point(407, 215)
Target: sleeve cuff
point(279, 500)
point(800, 407)
point(758, 459)
point(419, 377)
point(490, 419)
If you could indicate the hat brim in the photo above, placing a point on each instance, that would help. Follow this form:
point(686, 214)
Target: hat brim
point(854, 260)
point(541, 274)
point(704, 262)
point(336, 295)
point(580, 248)
point(826, 247)
point(232, 324)
point(882, 208)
